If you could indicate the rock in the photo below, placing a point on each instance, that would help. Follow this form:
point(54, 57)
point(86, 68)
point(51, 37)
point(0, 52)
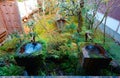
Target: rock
point(114, 63)
point(2, 63)
point(114, 66)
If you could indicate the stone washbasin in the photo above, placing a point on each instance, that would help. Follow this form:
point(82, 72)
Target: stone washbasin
point(29, 56)
point(94, 59)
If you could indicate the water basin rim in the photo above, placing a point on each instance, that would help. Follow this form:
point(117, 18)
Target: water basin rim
point(23, 47)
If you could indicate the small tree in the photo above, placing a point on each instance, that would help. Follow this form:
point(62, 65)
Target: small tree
point(47, 6)
point(73, 8)
point(30, 24)
point(88, 9)
point(92, 7)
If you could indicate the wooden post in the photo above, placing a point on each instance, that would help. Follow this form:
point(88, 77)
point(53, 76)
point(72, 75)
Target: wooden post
point(88, 36)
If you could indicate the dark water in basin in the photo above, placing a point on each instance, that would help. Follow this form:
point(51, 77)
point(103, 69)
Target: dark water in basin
point(92, 49)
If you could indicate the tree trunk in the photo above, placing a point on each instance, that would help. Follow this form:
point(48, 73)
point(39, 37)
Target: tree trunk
point(43, 7)
point(80, 18)
point(80, 22)
point(104, 30)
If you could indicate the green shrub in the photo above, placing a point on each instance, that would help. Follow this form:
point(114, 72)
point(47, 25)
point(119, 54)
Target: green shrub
point(106, 72)
point(9, 67)
point(10, 45)
point(71, 28)
point(11, 70)
point(54, 42)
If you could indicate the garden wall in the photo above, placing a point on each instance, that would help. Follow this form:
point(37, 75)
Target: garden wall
point(110, 32)
point(113, 20)
point(112, 27)
point(27, 7)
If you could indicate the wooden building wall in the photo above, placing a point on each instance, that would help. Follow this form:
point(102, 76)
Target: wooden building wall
point(2, 24)
point(115, 9)
point(10, 16)
point(3, 32)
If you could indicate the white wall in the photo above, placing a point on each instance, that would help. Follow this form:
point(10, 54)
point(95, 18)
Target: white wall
point(111, 22)
point(111, 26)
point(26, 7)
